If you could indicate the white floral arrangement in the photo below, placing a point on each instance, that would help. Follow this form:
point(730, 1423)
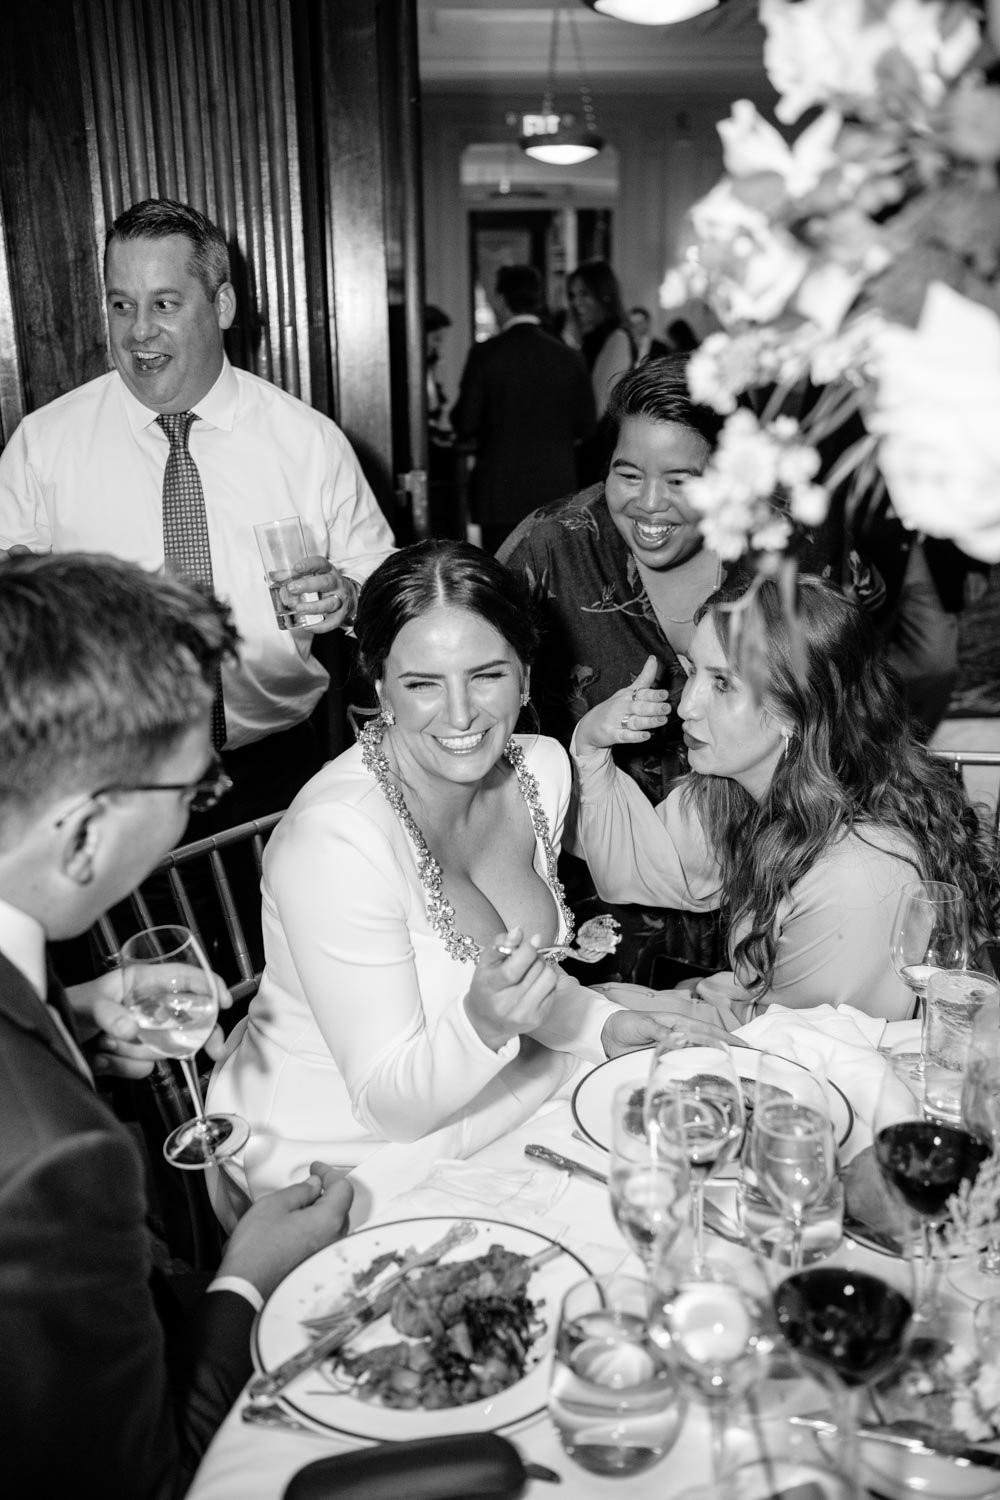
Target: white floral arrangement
point(860, 262)
point(958, 1389)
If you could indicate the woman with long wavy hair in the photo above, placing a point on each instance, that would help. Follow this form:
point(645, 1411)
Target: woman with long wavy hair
point(810, 803)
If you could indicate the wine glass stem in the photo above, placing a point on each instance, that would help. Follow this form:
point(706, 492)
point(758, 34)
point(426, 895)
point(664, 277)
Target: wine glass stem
point(698, 1222)
point(925, 1269)
point(718, 1418)
point(795, 1249)
point(191, 1079)
point(850, 1421)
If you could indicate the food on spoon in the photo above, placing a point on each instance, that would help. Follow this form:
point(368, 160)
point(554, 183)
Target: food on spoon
point(468, 1327)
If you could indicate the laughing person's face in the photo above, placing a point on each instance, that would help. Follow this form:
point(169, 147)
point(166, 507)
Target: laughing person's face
point(166, 333)
point(454, 686)
point(644, 490)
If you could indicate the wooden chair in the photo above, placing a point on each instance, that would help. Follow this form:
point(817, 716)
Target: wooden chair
point(194, 887)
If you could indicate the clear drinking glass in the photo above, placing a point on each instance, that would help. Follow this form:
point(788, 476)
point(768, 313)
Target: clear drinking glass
point(650, 1177)
point(704, 1082)
point(791, 1143)
point(168, 987)
point(612, 1398)
point(956, 1001)
point(282, 546)
point(930, 931)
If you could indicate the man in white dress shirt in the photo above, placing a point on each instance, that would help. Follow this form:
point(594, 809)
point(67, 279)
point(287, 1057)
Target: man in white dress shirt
point(88, 472)
point(109, 1384)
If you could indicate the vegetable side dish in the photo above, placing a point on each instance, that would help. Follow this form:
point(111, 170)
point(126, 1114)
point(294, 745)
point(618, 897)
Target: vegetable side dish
point(467, 1326)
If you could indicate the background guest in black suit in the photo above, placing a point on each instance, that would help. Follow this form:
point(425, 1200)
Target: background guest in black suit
point(107, 1386)
point(524, 404)
point(647, 346)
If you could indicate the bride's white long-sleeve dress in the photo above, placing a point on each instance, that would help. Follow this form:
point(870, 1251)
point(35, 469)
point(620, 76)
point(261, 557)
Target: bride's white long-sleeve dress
point(357, 1050)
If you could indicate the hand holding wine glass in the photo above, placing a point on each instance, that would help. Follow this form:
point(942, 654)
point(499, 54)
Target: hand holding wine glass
point(703, 1080)
point(791, 1142)
point(170, 991)
point(649, 1177)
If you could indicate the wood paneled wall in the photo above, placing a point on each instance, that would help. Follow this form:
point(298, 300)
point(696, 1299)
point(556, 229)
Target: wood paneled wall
point(289, 122)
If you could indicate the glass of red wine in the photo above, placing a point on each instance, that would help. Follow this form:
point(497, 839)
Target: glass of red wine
point(847, 1322)
point(922, 1162)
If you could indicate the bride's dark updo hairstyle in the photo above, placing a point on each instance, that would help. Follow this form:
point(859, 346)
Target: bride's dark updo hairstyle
point(432, 574)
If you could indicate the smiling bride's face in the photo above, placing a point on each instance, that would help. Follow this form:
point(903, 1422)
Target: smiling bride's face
point(454, 686)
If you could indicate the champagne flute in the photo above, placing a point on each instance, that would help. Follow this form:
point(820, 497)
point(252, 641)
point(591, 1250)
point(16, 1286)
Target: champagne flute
point(849, 1322)
point(930, 931)
point(791, 1143)
point(703, 1081)
point(649, 1176)
point(169, 989)
point(922, 1162)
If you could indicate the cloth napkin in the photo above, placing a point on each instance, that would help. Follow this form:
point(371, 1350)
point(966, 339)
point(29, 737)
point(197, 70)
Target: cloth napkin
point(841, 1043)
point(461, 1187)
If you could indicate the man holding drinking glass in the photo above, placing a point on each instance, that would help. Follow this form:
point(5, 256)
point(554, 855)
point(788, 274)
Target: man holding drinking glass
point(109, 1384)
point(172, 458)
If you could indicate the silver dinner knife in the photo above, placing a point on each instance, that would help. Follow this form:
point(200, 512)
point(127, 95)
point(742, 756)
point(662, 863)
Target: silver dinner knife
point(914, 1436)
point(564, 1163)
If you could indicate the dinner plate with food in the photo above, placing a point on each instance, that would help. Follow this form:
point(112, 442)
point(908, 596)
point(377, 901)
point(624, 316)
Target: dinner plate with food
point(458, 1343)
point(593, 1094)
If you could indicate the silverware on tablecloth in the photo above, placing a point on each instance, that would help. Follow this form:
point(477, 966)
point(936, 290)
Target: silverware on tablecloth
point(356, 1312)
point(564, 1163)
point(270, 1414)
point(918, 1437)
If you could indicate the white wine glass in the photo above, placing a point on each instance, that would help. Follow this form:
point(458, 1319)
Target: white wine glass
point(930, 931)
point(703, 1079)
point(791, 1142)
point(170, 991)
point(649, 1177)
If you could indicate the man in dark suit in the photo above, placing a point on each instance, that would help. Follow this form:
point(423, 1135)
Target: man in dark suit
point(524, 404)
point(647, 345)
point(107, 1385)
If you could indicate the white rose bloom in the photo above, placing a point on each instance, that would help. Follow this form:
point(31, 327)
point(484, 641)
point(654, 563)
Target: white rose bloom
point(817, 50)
point(937, 400)
point(751, 144)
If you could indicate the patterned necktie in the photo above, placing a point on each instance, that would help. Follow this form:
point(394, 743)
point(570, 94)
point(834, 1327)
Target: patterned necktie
point(186, 551)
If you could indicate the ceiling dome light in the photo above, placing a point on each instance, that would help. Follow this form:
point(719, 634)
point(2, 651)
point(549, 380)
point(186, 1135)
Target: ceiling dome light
point(562, 140)
point(561, 143)
point(651, 12)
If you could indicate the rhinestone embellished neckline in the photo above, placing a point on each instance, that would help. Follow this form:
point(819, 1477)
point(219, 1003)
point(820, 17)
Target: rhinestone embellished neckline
point(440, 912)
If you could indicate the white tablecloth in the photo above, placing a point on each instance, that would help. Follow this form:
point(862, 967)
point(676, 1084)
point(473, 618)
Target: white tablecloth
point(252, 1463)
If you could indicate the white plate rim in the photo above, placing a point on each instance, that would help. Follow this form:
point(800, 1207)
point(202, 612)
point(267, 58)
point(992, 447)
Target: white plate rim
point(474, 1417)
point(623, 1059)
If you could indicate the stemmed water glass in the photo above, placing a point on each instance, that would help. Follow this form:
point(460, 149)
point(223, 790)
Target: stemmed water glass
point(703, 1081)
point(169, 989)
point(930, 931)
point(791, 1143)
point(922, 1162)
point(716, 1339)
point(649, 1176)
point(847, 1322)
